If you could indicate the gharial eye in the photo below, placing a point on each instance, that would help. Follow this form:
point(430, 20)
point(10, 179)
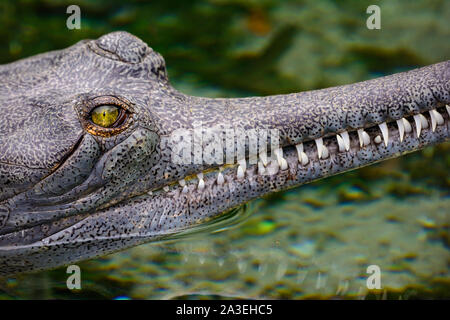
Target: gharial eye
point(107, 116)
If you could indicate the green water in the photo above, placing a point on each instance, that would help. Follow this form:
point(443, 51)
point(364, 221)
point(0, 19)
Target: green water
point(315, 241)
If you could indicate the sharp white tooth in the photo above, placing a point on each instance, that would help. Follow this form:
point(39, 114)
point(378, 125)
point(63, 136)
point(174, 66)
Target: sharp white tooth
point(401, 129)
point(319, 144)
point(200, 176)
point(436, 119)
point(384, 132)
point(340, 143)
point(424, 121)
point(366, 138)
point(201, 184)
point(346, 139)
point(360, 136)
point(304, 159)
point(220, 179)
point(182, 182)
point(439, 117)
point(448, 109)
point(166, 188)
point(377, 139)
point(240, 173)
point(325, 152)
point(418, 124)
point(150, 193)
point(185, 189)
point(407, 125)
point(242, 163)
point(279, 154)
point(261, 168)
point(299, 148)
point(283, 164)
point(263, 157)
point(433, 121)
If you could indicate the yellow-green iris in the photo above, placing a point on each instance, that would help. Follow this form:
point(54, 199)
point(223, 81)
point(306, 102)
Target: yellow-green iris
point(105, 116)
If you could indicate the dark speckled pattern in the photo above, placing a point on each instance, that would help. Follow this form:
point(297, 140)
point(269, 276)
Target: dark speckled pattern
point(68, 194)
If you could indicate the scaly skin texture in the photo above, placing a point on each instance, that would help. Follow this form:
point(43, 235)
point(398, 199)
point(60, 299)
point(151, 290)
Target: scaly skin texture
point(70, 190)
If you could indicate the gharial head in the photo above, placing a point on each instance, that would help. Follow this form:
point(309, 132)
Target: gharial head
point(89, 134)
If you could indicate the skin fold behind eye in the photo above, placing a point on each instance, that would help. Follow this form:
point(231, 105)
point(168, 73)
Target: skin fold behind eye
point(105, 116)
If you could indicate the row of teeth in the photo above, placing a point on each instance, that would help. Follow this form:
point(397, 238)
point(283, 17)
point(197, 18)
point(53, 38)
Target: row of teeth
point(343, 140)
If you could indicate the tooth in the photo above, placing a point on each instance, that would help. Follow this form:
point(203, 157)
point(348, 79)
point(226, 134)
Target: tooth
point(283, 164)
point(384, 132)
point(439, 118)
point(220, 179)
point(407, 125)
point(424, 121)
point(240, 173)
point(436, 119)
point(361, 141)
point(201, 184)
point(166, 188)
point(377, 139)
point(185, 189)
point(281, 161)
point(299, 148)
point(182, 182)
point(261, 168)
point(448, 109)
point(200, 176)
point(418, 124)
point(433, 121)
point(364, 138)
point(319, 144)
point(325, 152)
point(263, 157)
point(150, 193)
point(304, 159)
point(340, 143)
point(242, 163)
point(401, 129)
point(346, 139)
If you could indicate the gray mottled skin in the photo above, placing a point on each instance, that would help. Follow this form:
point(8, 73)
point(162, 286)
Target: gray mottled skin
point(68, 194)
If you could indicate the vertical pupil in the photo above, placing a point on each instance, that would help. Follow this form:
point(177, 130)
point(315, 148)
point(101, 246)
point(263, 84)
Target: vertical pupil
point(105, 115)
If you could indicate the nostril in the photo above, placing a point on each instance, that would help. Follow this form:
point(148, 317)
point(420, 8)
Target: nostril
point(123, 46)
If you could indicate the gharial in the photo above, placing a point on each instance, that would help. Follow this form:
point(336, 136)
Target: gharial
point(86, 155)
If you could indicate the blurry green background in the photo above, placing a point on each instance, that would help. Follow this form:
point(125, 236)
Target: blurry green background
point(232, 48)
